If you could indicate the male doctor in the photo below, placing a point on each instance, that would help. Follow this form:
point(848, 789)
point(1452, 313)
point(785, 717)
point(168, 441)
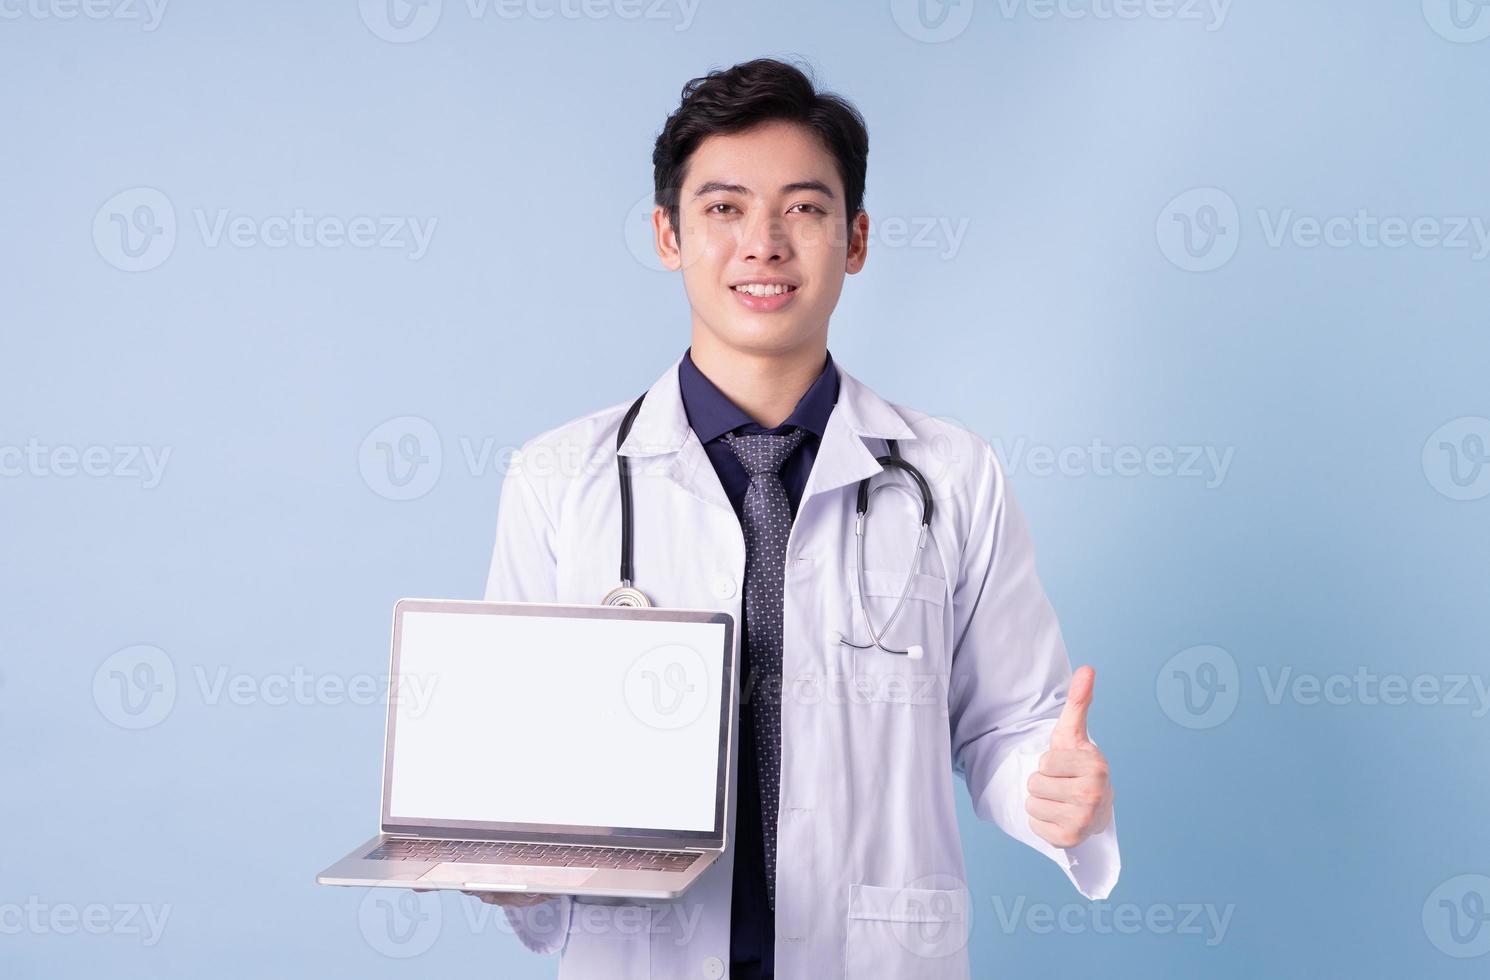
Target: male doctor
point(843, 858)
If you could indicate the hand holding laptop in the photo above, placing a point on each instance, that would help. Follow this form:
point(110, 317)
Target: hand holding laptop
point(515, 899)
point(638, 811)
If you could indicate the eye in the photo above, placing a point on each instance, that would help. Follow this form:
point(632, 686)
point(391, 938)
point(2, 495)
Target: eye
point(814, 207)
point(721, 204)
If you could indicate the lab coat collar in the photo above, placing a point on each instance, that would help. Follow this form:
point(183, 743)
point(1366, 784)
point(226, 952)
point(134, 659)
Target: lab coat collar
point(661, 427)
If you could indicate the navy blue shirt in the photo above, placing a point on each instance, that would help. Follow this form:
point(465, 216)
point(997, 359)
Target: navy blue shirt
point(712, 414)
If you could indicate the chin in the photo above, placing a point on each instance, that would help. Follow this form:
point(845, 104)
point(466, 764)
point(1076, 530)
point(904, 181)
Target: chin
point(762, 333)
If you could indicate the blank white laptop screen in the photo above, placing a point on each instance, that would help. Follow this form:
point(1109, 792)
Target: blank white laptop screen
point(557, 720)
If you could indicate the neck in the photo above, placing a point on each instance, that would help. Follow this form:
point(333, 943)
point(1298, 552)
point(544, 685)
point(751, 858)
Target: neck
point(766, 385)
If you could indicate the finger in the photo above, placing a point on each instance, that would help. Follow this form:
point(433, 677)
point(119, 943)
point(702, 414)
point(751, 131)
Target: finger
point(1073, 762)
point(1082, 790)
point(1054, 833)
point(1070, 728)
point(1063, 814)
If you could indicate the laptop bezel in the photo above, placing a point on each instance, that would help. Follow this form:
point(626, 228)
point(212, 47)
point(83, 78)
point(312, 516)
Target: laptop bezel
point(569, 833)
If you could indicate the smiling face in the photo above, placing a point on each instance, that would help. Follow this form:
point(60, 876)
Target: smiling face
point(764, 209)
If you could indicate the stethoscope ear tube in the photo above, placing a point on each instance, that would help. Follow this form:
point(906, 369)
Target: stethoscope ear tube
point(625, 594)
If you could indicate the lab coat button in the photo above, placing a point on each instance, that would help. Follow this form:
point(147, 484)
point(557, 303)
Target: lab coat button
point(713, 968)
point(724, 586)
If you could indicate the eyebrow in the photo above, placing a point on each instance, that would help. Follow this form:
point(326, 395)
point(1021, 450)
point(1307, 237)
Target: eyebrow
point(719, 186)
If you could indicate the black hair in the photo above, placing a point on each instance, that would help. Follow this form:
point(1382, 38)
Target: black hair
point(735, 99)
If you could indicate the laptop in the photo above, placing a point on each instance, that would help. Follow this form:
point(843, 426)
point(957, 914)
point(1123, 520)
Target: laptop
point(563, 749)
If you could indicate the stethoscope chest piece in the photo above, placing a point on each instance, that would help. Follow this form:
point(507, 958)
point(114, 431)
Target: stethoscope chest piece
point(625, 595)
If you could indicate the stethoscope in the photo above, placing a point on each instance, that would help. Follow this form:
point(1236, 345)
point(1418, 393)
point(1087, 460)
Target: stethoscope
point(627, 594)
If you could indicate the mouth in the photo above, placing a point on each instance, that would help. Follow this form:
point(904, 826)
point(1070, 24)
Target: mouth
point(764, 297)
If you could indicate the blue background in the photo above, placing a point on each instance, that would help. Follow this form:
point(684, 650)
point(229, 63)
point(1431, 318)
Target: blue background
point(1059, 317)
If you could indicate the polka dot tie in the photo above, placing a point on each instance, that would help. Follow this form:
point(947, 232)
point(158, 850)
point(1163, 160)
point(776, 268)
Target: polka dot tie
point(767, 519)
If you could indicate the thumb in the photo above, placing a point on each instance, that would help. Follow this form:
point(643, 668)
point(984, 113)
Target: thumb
point(1070, 728)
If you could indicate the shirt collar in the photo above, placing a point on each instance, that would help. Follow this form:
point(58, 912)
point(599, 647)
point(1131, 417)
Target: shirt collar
point(712, 414)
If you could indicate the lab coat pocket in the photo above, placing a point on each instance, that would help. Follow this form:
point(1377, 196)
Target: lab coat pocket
point(610, 941)
point(878, 676)
point(906, 933)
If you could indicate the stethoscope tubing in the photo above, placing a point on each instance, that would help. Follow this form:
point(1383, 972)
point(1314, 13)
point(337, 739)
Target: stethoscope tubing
point(626, 594)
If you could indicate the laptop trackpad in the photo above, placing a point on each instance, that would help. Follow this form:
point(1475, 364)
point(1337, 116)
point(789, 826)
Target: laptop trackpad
point(527, 877)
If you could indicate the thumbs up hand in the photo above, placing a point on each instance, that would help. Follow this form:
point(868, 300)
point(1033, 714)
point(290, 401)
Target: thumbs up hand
point(1070, 796)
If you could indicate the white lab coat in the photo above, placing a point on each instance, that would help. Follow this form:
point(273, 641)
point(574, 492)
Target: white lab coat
point(870, 877)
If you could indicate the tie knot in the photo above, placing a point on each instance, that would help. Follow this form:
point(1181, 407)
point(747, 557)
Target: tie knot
point(763, 452)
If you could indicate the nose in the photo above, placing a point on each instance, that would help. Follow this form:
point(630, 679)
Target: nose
point(765, 238)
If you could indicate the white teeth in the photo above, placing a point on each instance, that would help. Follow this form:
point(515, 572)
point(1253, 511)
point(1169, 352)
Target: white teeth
point(755, 289)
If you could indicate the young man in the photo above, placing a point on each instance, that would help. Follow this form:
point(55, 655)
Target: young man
point(844, 857)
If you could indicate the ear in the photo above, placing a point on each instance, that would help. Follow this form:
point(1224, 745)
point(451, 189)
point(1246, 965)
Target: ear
point(858, 242)
point(666, 240)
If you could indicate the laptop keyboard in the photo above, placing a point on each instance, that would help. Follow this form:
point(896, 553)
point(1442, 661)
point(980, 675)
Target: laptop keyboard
point(541, 855)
